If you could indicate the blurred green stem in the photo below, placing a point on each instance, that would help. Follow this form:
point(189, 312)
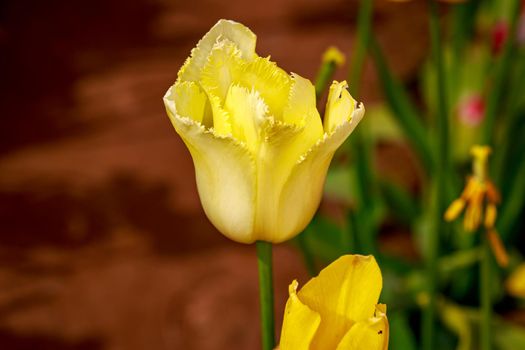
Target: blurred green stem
point(500, 77)
point(362, 150)
point(364, 25)
point(405, 112)
point(485, 295)
point(325, 74)
point(264, 262)
point(441, 172)
point(308, 256)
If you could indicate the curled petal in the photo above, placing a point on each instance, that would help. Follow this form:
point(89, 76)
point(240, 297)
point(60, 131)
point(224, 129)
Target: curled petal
point(344, 294)
point(371, 334)
point(300, 323)
point(339, 107)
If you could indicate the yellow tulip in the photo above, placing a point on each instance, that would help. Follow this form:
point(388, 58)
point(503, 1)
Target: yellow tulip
point(259, 146)
point(337, 310)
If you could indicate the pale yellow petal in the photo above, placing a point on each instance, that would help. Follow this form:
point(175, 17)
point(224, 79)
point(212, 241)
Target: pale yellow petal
point(223, 66)
point(248, 112)
point(235, 32)
point(224, 63)
point(282, 147)
point(371, 334)
point(301, 109)
point(269, 80)
point(225, 174)
point(345, 292)
point(302, 190)
point(339, 107)
point(300, 323)
point(187, 100)
point(279, 152)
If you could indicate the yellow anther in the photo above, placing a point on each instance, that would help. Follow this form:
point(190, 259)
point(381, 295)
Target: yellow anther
point(490, 215)
point(474, 212)
point(455, 208)
point(333, 54)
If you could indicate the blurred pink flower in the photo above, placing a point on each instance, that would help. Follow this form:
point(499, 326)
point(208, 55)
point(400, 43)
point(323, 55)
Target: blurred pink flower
point(500, 32)
point(471, 110)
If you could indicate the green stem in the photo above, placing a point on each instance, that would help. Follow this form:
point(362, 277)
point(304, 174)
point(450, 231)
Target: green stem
point(364, 24)
point(325, 74)
point(365, 179)
point(501, 73)
point(441, 182)
point(485, 295)
point(264, 262)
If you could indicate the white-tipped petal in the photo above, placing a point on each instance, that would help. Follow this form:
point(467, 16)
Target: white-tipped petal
point(235, 32)
point(339, 107)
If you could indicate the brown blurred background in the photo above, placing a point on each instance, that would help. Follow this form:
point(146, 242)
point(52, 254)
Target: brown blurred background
point(103, 243)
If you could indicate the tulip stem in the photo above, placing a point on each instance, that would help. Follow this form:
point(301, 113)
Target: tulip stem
point(442, 170)
point(264, 262)
point(485, 295)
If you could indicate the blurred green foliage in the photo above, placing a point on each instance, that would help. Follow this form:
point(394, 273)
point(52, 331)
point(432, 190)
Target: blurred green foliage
point(484, 69)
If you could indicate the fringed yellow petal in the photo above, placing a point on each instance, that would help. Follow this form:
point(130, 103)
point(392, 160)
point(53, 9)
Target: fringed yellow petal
point(454, 209)
point(371, 334)
point(235, 32)
point(300, 323)
point(301, 193)
point(301, 109)
point(225, 174)
point(248, 112)
point(345, 292)
point(269, 80)
point(222, 68)
point(490, 215)
point(339, 107)
point(187, 100)
point(498, 248)
point(515, 284)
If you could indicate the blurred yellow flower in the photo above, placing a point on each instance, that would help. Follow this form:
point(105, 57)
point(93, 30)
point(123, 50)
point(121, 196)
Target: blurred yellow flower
point(515, 284)
point(259, 146)
point(333, 54)
point(480, 198)
point(338, 309)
